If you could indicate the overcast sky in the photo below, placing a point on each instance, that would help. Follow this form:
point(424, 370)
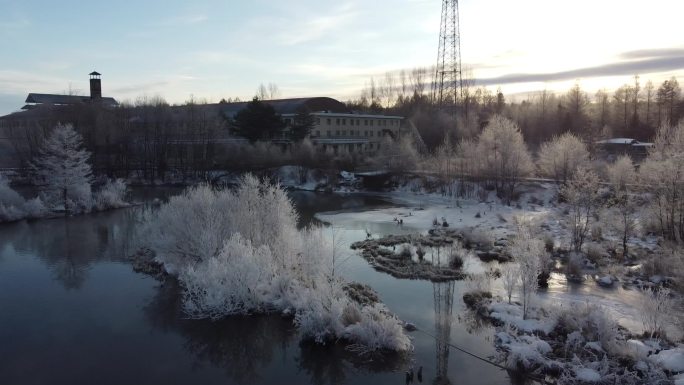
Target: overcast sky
point(214, 49)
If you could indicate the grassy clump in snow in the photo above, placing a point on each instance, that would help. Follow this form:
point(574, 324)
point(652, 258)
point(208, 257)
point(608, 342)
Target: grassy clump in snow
point(576, 344)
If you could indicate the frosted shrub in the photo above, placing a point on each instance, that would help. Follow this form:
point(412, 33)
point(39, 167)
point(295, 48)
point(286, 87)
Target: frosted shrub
point(191, 227)
point(656, 310)
point(320, 312)
point(10, 213)
point(111, 195)
point(591, 323)
point(11, 202)
point(377, 330)
point(9, 197)
point(35, 208)
point(233, 282)
point(266, 264)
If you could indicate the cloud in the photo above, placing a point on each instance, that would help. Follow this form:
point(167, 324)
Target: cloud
point(650, 61)
point(653, 53)
point(14, 22)
point(184, 20)
point(12, 81)
point(292, 31)
point(137, 88)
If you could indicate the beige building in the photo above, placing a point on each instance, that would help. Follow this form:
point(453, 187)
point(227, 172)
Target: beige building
point(353, 132)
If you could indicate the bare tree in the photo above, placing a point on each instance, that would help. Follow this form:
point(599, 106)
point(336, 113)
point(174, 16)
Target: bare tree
point(621, 174)
point(649, 89)
point(527, 252)
point(262, 92)
point(510, 275)
point(602, 104)
point(662, 175)
point(273, 91)
point(581, 194)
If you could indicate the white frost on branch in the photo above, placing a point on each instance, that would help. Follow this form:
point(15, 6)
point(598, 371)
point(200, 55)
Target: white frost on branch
point(240, 252)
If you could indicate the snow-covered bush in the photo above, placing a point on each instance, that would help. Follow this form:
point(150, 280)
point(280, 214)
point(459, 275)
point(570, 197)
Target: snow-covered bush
point(656, 309)
point(240, 252)
point(377, 330)
point(111, 195)
point(35, 208)
point(590, 323)
point(233, 282)
point(191, 227)
point(524, 352)
point(11, 203)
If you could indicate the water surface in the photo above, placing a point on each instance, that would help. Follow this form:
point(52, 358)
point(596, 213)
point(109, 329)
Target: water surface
point(73, 311)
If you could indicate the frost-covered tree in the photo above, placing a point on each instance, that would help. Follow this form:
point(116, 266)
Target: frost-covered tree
point(510, 276)
point(622, 173)
point(503, 155)
point(662, 175)
point(62, 171)
point(527, 252)
point(623, 209)
point(656, 309)
point(581, 194)
point(560, 157)
point(398, 154)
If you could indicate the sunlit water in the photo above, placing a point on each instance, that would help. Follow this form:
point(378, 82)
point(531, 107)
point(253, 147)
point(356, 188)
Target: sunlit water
point(73, 311)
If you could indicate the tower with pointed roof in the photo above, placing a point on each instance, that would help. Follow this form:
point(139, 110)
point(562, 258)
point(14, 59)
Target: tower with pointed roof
point(95, 86)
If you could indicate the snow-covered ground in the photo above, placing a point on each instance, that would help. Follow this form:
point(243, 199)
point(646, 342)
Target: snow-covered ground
point(419, 210)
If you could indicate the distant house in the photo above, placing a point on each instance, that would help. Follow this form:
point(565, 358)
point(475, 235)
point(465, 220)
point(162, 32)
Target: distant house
point(614, 147)
point(34, 100)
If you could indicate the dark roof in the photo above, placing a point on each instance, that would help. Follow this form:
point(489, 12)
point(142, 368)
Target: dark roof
point(291, 106)
point(64, 99)
point(95, 73)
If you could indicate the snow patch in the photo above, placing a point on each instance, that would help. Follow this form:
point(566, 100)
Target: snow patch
point(587, 375)
point(671, 359)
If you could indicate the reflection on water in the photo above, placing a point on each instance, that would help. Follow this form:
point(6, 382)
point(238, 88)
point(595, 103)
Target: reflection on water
point(308, 204)
point(444, 306)
point(242, 346)
point(73, 311)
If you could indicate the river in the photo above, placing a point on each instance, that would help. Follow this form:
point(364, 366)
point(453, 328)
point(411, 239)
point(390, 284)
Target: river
point(73, 311)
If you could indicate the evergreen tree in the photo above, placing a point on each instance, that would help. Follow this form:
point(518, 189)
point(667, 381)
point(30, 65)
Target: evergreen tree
point(257, 121)
point(302, 124)
point(62, 170)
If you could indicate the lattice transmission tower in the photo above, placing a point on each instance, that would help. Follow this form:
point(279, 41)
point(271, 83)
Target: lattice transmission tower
point(447, 83)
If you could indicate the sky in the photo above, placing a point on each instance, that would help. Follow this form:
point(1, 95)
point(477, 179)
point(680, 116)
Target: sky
point(211, 49)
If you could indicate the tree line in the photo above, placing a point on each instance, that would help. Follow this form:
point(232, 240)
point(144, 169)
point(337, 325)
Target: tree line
point(634, 110)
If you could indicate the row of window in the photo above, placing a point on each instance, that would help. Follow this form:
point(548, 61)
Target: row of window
point(357, 122)
point(367, 133)
point(354, 122)
point(351, 147)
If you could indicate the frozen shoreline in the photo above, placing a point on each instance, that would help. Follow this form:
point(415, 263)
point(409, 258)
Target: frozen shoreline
point(418, 210)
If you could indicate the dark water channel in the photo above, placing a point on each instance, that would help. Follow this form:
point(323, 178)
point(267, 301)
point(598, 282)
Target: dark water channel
point(72, 311)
